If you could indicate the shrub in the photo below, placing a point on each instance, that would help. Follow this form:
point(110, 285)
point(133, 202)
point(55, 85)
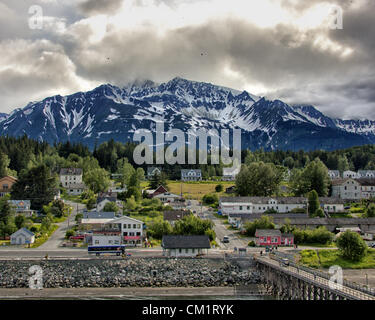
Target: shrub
point(263, 223)
point(352, 246)
point(219, 188)
point(251, 244)
point(209, 199)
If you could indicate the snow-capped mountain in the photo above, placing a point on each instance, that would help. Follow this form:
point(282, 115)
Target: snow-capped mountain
point(112, 112)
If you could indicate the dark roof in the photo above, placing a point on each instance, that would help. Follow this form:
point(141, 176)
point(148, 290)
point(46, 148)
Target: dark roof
point(287, 235)
point(240, 215)
point(361, 181)
point(331, 200)
point(264, 200)
point(175, 215)
point(71, 171)
point(99, 215)
point(267, 232)
point(186, 242)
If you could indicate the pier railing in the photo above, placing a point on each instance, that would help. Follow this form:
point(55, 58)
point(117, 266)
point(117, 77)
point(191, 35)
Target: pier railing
point(356, 286)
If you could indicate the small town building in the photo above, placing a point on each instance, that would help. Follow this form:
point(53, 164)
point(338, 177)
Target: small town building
point(230, 174)
point(131, 230)
point(154, 192)
point(152, 171)
point(350, 174)
point(235, 219)
point(332, 205)
point(93, 220)
point(71, 180)
point(268, 237)
point(334, 174)
point(256, 205)
point(6, 184)
point(230, 190)
point(21, 207)
point(185, 246)
point(353, 189)
point(22, 236)
point(191, 175)
point(366, 174)
point(175, 215)
point(167, 197)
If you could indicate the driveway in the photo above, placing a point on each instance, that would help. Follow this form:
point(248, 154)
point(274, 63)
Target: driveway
point(58, 236)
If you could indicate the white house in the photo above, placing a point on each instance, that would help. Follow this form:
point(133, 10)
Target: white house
point(151, 171)
point(131, 230)
point(229, 174)
point(191, 175)
point(334, 174)
point(71, 180)
point(353, 189)
point(22, 207)
point(167, 197)
point(256, 205)
point(366, 174)
point(332, 205)
point(350, 174)
point(22, 236)
point(101, 204)
point(185, 246)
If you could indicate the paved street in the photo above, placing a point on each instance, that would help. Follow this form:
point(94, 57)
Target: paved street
point(58, 236)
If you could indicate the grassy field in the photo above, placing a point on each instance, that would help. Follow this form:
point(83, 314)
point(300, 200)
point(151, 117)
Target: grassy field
point(196, 190)
point(328, 258)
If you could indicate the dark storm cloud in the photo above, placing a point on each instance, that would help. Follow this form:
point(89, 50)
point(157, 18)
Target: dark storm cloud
point(100, 6)
point(283, 60)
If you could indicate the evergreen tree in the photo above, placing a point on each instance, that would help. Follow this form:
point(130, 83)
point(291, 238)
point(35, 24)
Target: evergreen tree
point(37, 185)
point(314, 204)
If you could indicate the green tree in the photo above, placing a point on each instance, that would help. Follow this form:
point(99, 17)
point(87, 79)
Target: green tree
point(159, 228)
point(352, 246)
point(158, 180)
point(97, 180)
point(258, 179)
point(264, 222)
point(47, 222)
point(219, 188)
point(111, 207)
point(313, 201)
point(20, 221)
point(313, 177)
point(343, 164)
point(209, 199)
point(36, 184)
point(370, 211)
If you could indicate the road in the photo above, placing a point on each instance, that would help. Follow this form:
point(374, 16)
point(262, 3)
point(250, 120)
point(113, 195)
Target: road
point(310, 276)
point(58, 236)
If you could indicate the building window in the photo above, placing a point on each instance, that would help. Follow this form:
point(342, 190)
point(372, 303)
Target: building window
point(240, 207)
point(96, 241)
point(129, 226)
point(116, 242)
point(134, 226)
point(110, 241)
point(124, 226)
point(179, 250)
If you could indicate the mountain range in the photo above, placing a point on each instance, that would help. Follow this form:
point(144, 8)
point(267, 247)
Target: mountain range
point(112, 112)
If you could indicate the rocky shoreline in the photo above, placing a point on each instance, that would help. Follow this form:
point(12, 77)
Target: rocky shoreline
point(135, 272)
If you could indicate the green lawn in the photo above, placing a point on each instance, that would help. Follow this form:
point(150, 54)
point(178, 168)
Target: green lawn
point(328, 258)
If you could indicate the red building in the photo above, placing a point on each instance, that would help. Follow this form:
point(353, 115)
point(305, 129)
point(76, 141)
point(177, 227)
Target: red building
point(271, 237)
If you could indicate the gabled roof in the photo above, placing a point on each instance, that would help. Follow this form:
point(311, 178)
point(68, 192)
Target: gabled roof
point(71, 171)
point(99, 215)
point(24, 231)
point(123, 218)
point(9, 178)
point(186, 242)
point(331, 200)
point(264, 200)
point(268, 233)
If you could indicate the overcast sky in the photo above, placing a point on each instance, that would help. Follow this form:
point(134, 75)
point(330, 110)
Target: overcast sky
point(281, 49)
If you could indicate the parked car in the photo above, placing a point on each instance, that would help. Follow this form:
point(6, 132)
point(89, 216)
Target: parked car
point(372, 245)
point(225, 239)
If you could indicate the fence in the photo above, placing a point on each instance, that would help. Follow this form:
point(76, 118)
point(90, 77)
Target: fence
point(327, 276)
